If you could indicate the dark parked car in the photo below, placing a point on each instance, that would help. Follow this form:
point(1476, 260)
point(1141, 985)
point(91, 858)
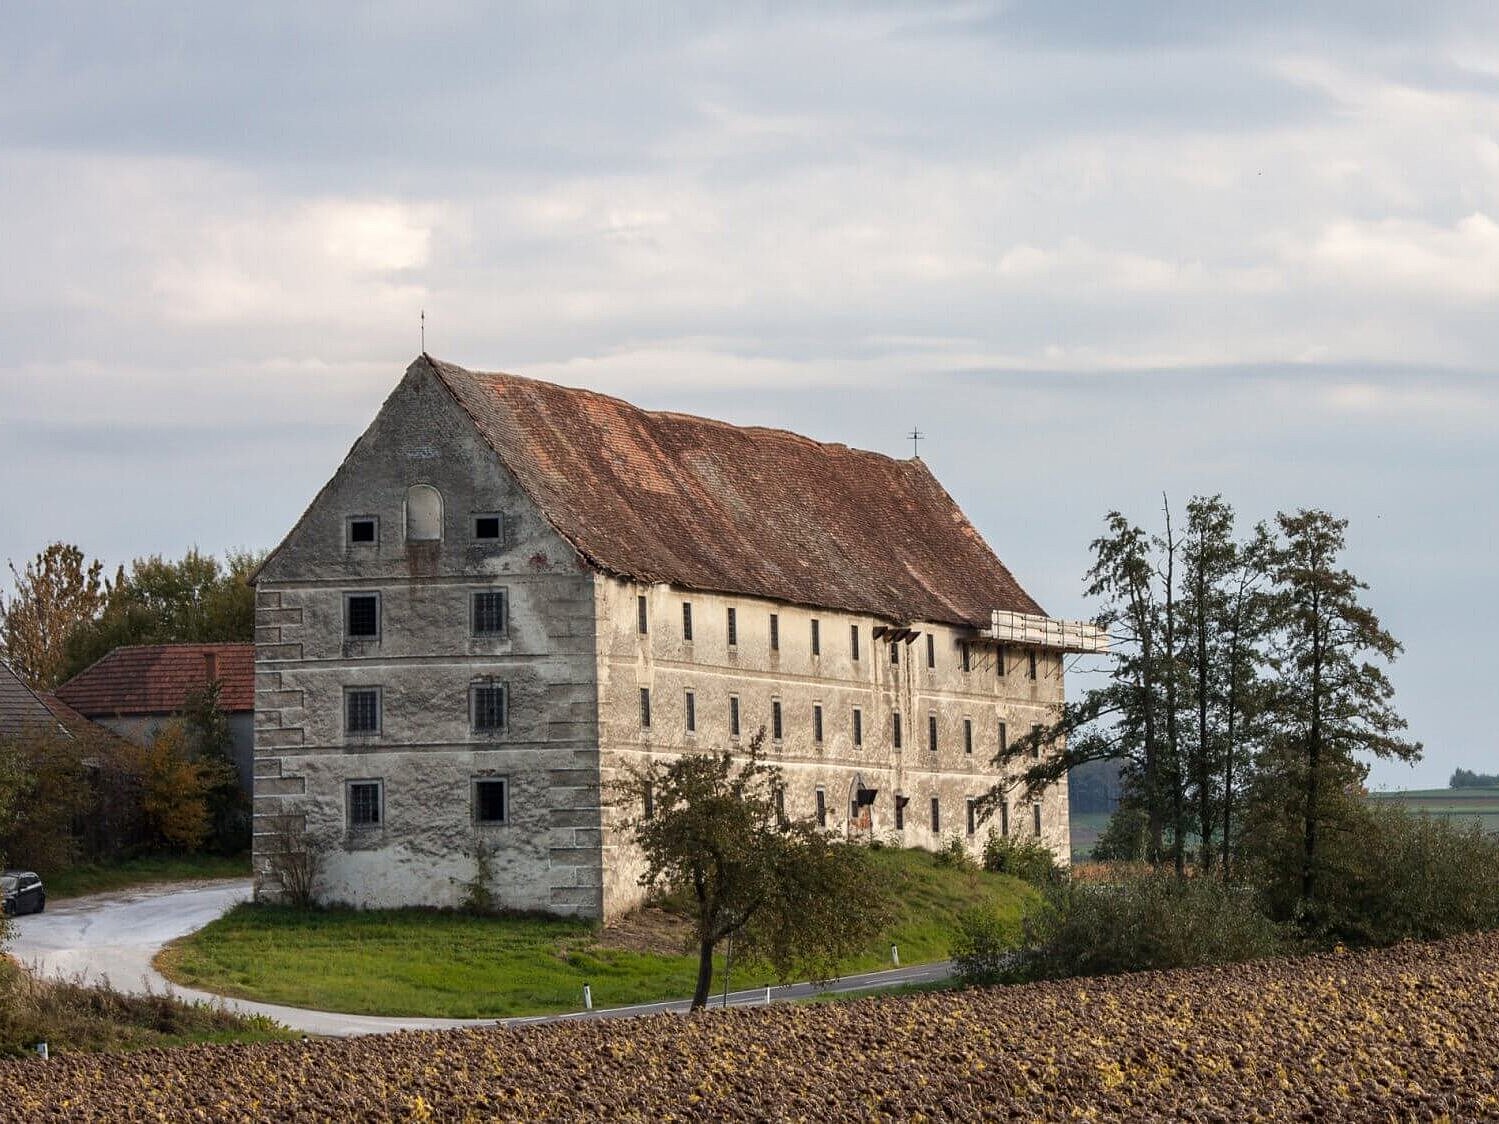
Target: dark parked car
point(24, 892)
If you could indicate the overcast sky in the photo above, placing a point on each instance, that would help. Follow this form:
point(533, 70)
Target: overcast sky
point(1094, 251)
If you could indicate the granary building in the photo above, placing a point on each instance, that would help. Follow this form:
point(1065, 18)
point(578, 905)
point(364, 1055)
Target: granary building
point(511, 591)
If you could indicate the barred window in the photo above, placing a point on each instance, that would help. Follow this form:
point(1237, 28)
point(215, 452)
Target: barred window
point(487, 703)
point(895, 729)
point(491, 803)
point(362, 616)
point(776, 729)
point(686, 620)
point(645, 708)
point(853, 640)
point(362, 710)
point(365, 803)
point(775, 632)
point(733, 716)
point(643, 623)
point(858, 727)
point(691, 713)
point(817, 722)
point(733, 628)
point(489, 612)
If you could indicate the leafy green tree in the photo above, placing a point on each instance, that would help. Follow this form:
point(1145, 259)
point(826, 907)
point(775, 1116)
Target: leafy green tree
point(212, 744)
point(1331, 701)
point(58, 592)
point(783, 890)
point(195, 599)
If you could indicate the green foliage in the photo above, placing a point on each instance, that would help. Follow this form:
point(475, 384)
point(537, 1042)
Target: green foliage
point(1127, 837)
point(207, 727)
point(479, 897)
point(783, 889)
point(173, 790)
point(983, 949)
point(1155, 921)
point(43, 789)
point(1466, 778)
point(195, 599)
point(1028, 859)
point(954, 855)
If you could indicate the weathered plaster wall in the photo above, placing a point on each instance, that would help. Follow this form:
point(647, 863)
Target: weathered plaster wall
point(713, 670)
point(424, 853)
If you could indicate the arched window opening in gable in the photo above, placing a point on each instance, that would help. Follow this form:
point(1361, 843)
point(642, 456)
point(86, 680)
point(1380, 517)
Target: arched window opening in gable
point(423, 513)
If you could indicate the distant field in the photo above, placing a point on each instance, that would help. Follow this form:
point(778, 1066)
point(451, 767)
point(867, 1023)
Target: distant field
point(1460, 805)
point(1086, 828)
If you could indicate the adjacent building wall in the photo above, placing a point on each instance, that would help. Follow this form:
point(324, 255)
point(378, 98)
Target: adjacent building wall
point(661, 660)
point(425, 852)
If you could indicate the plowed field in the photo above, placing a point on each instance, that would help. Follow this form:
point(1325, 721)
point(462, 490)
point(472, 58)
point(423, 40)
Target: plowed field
point(1405, 1033)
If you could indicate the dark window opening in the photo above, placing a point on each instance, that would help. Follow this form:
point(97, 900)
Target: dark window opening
point(686, 620)
point(931, 732)
point(895, 653)
point(733, 716)
point(967, 735)
point(775, 632)
point(363, 615)
point(817, 722)
point(691, 713)
point(362, 531)
point(364, 804)
point(489, 612)
point(775, 719)
point(1032, 657)
point(642, 621)
point(858, 727)
point(816, 637)
point(853, 640)
point(967, 661)
point(733, 628)
point(900, 812)
point(645, 707)
point(931, 650)
point(822, 808)
point(1036, 744)
point(936, 816)
point(362, 710)
point(650, 799)
point(487, 528)
point(972, 816)
point(780, 805)
point(895, 729)
point(1004, 737)
point(1036, 815)
point(999, 660)
point(490, 802)
point(489, 707)
point(1004, 818)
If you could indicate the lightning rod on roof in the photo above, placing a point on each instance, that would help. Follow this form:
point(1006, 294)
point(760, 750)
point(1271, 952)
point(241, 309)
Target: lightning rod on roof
point(916, 435)
point(424, 331)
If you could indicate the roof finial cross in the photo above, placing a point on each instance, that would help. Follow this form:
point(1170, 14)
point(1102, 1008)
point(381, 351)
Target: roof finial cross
point(424, 331)
point(916, 435)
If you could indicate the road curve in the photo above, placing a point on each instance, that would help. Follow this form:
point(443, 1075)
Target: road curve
point(115, 936)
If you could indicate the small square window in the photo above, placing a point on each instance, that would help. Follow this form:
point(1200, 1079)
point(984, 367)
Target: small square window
point(816, 637)
point(362, 710)
point(488, 705)
point(817, 722)
point(491, 801)
point(690, 714)
point(365, 803)
point(733, 716)
point(489, 528)
point(364, 530)
point(645, 708)
point(858, 727)
point(489, 612)
point(362, 616)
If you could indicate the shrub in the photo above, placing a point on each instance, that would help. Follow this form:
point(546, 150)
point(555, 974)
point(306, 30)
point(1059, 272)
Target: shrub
point(1126, 838)
point(1027, 859)
point(983, 950)
point(1158, 921)
point(954, 855)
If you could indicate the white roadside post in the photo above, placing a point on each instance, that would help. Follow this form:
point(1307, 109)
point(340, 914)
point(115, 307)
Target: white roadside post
point(895, 955)
point(587, 998)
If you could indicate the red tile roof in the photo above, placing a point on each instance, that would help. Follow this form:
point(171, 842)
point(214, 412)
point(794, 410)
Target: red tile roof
point(156, 679)
point(665, 497)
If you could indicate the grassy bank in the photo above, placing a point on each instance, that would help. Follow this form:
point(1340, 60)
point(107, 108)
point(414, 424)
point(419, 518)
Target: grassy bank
point(76, 1018)
point(97, 878)
point(420, 962)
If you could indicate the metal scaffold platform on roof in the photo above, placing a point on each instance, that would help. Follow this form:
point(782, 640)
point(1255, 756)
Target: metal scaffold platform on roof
point(1045, 632)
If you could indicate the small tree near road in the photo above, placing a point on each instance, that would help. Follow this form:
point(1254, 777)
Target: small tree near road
point(785, 891)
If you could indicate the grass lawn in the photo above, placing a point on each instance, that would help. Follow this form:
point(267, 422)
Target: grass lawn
point(94, 878)
point(426, 963)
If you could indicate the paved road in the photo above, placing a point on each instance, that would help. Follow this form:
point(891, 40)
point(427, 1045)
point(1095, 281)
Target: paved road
point(115, 936)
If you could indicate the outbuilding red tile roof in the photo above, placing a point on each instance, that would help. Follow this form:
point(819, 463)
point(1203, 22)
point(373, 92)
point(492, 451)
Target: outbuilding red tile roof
point(702, 504)
point(156, 679)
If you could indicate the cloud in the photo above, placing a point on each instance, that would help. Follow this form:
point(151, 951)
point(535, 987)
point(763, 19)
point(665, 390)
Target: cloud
point(1458, 262)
